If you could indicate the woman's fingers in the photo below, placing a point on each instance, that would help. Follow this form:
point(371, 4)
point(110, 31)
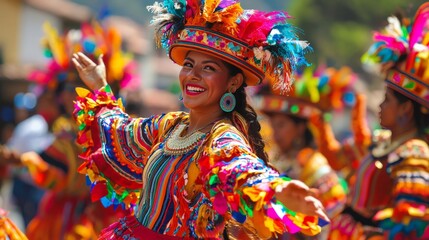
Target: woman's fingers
point(300, 198)
point(315, 207)
point(85, 61)
point(81, 61)
point(100, 60)
point(314, 192)
point(91, 73)
point(321, 214)
point(77, 64)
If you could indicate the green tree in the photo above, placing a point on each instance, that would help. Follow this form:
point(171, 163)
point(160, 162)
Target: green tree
point(340, 31)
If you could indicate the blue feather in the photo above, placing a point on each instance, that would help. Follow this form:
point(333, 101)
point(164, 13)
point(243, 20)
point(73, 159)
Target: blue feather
point(177, 8)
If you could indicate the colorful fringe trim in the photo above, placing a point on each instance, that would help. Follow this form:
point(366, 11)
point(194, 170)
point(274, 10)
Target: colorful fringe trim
point(121, 191)
point(223, 169)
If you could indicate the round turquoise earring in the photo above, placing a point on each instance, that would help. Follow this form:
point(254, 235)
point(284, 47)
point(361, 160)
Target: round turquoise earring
point(228, 102)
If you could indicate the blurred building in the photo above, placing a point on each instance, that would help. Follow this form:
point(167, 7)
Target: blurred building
point(21, 22)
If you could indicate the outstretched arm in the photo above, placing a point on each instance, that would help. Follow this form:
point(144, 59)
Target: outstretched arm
point(43, 174)
point(115, 145)
point(236, 180)
point(298, 197)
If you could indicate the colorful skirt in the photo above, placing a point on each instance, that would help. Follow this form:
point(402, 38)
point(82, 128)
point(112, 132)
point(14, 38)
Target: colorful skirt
point(71, 218)
point(130, 229)
point(353, 226)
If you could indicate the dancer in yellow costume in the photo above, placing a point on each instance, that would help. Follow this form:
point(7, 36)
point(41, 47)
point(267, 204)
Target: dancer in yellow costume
point(295, 152)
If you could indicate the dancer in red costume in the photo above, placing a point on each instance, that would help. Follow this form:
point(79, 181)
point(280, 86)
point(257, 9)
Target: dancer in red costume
point(390, 195)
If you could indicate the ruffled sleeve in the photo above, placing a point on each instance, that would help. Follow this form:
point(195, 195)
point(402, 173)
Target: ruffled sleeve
point(115, 146)
point(316, 173)
point(409, 216)
point(237, 181)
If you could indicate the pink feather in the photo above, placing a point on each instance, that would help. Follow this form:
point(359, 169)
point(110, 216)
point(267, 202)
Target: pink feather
point(392, 43)
point(259, 24)
point(192, 8)
point(421, 25)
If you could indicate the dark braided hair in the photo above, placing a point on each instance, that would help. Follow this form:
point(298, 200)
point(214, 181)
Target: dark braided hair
point(249, 114)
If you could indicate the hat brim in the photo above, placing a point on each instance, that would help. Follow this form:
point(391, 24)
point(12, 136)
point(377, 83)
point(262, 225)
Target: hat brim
point(269, 104)
point(180, 50)
point(408, 86)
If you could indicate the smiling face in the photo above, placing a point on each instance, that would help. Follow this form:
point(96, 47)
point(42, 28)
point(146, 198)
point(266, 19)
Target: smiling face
point(203, 80)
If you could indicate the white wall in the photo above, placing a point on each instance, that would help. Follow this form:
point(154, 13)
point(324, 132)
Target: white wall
point(31, 33)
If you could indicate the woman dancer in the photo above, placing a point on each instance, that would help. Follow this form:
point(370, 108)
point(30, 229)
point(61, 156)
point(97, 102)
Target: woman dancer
point(389, 198)
point(190, 174)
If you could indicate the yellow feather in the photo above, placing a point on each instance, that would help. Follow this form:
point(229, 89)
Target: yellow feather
point(55, 44)
point(226, 18)
point(209, 8)
point(82, 92)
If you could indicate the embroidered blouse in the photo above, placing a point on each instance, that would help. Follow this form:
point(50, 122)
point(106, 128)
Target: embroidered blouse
point(393, 186)
point(193, 194)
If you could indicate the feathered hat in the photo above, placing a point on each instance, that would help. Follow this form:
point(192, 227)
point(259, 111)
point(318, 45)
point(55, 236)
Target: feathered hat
point(312, 93)
point(403, 45)
point(91, 39)
point(261, 44)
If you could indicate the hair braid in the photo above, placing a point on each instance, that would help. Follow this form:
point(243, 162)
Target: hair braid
point(249, 114)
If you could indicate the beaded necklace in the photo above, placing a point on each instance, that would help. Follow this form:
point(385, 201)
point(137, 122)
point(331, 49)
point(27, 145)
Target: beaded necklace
point(382, 148)
point(178, 145)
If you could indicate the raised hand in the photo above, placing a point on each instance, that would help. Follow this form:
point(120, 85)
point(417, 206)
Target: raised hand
point(298, 197)
point(92, 74)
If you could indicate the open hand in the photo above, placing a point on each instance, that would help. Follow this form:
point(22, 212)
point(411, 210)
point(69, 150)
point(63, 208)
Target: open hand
point(298, 197)
point(92, 74)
